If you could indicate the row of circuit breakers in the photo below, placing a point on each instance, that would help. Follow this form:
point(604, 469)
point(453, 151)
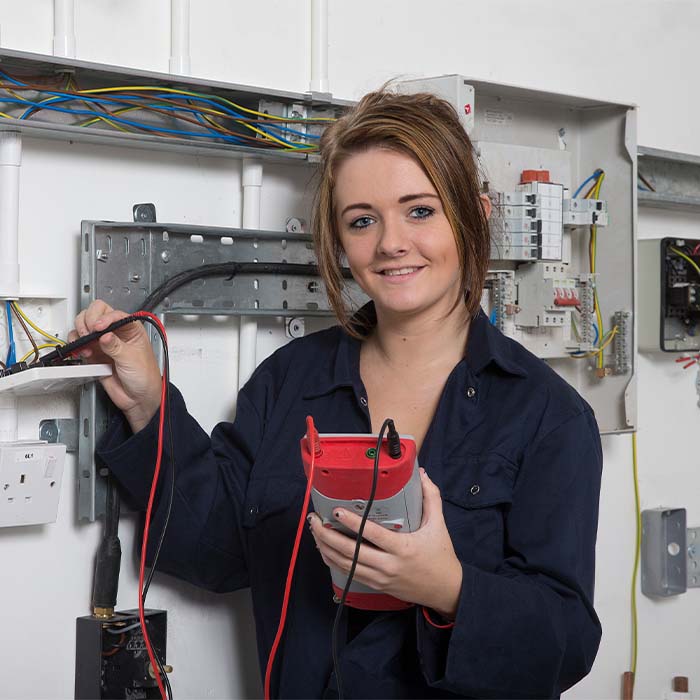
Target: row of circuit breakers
point(532, 299)
point(533, 218)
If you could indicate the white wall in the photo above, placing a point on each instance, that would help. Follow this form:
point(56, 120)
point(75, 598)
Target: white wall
point(642, 52)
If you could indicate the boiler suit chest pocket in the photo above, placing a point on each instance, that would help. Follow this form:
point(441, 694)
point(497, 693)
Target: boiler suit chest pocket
point(477, 492)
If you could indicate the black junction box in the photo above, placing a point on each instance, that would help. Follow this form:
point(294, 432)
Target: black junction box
point(111, 661)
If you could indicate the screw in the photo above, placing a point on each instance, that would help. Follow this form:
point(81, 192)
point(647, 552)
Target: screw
point(49, 432)
point(165, 256)
point(135, 277)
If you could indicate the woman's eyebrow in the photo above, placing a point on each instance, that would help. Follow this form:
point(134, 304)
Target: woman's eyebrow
point(421, 195)
point(359, 205)
point(402, 200)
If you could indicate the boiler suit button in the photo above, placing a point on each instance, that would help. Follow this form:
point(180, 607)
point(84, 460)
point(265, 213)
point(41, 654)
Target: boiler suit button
point(471, 392)
point(363, 400)
point(474, 489)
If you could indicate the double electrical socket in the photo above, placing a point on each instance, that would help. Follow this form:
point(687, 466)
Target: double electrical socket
point(30, 482)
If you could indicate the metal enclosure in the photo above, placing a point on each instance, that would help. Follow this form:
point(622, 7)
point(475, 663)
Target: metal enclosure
point(668, 286)
point(88, 75)
point(664, 556)
point(517, 129)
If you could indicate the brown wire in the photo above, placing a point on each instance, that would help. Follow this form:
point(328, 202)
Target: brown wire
point(26, 330)
point(646, 182)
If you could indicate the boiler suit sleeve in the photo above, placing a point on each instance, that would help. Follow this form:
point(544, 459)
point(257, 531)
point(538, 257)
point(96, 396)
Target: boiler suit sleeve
point(528, 629)
point(204, 543)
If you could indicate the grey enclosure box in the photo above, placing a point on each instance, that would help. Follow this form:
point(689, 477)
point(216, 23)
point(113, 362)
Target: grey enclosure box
point(664, 552)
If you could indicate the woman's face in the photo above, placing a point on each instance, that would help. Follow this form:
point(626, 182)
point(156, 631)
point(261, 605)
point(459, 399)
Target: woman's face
point(397, 239)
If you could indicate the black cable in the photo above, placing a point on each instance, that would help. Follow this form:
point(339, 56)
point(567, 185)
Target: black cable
point(109, 554)
point(353, 566)
point(230, 270)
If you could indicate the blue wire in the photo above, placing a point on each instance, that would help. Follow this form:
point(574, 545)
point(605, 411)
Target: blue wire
point(128, 122)
point(11, 355)
point(595, 176)
point(12, 80)
point(597, 335)
point(86, 98)
point(62, 97)
point(493, 318)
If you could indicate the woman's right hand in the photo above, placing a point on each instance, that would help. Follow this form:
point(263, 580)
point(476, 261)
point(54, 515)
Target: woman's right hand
point(135, 385)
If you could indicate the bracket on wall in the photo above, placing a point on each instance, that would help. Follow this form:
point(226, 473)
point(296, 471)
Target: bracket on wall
point(675, 178)
point(63, 430)
point(670, 553)
point(123, 263)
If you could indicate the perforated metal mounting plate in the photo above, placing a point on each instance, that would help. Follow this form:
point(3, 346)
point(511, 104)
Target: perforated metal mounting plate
point(123, 263)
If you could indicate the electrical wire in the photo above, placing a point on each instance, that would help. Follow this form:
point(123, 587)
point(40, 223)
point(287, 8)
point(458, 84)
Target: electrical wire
point(646, 182)
point(164, 400)
point(358, 542)
point(22, 323)
point(171, 498)
point(590, 178)
point(11, 352)
point(229, 270)
point(33, 325)
point(608, 338)
point(638, 545)
point(310, 436)
point(120, 630)
point(39, 347)
point(119, 645)
point(595, 193)
point(686, 258)
point(264, 130)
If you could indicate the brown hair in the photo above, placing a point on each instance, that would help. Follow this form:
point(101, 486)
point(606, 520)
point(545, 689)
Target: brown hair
point(427, 129)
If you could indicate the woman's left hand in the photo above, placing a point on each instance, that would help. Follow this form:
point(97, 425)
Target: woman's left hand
point(418, 567)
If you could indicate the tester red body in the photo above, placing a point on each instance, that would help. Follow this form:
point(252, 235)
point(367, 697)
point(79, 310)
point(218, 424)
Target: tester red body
point(343, 472)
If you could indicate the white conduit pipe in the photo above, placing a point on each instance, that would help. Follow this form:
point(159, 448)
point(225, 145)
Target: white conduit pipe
point(180, 37)
point(319, 46)
point(64, 28)
point(251, 178)
point(10, 160)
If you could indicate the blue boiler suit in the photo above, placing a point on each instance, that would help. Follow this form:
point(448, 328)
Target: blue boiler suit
point(516, 454)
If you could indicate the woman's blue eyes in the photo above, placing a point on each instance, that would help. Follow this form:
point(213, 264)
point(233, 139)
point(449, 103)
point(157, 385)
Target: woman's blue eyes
point(361, 222)
point(415, 213)
point(422, 212)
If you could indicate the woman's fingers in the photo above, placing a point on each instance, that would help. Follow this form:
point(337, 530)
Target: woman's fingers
point(342, 545)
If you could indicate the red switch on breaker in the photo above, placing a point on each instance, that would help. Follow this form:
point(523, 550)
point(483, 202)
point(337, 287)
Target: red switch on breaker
point(534, 176)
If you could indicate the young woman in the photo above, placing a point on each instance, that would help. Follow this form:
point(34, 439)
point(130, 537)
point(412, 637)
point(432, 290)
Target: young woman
point(501, 570)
